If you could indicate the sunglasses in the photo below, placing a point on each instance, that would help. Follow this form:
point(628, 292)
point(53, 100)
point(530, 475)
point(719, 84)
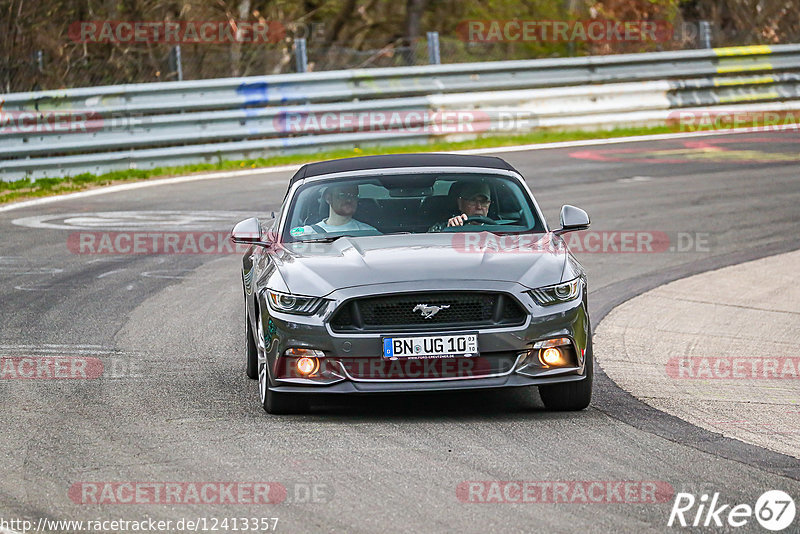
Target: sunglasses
point(344, 195)
point(476, 202)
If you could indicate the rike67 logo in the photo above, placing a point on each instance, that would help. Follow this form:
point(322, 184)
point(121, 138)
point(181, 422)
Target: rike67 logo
point(774, 510)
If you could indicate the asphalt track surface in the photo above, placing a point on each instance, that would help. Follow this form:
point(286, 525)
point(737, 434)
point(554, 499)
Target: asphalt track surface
point(174, 404)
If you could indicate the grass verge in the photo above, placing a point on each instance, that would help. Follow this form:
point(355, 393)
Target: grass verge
point(26, 189)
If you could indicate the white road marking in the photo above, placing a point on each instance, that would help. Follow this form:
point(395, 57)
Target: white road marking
point(292, 168)
point(23, 288)
point(633, 179)
point(148, 183)
point(18, 265)
point(111, 272)
point(109, 259)
point(176, 273)
point(58, 284)
point(23, 271)
point(42, 351)
point(140, 221)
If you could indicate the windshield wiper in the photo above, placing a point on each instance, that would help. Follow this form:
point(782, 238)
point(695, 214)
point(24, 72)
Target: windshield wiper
point(517, 232)
point(322, 239)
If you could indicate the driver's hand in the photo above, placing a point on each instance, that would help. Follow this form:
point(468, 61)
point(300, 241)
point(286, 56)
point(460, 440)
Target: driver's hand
point(458, 220)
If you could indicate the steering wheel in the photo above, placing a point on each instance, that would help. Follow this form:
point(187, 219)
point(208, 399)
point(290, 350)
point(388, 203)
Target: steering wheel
point(479, 219)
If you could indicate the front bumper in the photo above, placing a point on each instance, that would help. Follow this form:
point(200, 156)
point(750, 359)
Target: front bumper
point(389, 386)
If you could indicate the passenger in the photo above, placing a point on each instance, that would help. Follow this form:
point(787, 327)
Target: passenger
point(343, 203)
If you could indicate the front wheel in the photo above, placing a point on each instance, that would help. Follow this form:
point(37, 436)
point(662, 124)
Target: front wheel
point(571, 396)
point(252, 349)
point(279, 403)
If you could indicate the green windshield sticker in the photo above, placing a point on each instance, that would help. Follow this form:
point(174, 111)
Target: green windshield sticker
point(298, 231)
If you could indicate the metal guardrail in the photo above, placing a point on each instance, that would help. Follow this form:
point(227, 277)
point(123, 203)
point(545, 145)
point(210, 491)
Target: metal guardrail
point(176, 123)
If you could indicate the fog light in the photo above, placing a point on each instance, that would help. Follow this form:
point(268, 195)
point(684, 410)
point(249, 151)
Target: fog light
point(551, 356)
point(307, 366)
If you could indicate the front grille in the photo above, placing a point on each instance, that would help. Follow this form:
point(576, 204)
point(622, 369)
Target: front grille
point(463, 309)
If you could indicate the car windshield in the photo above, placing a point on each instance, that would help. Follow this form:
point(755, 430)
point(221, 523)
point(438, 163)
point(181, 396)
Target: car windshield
point(414, 203)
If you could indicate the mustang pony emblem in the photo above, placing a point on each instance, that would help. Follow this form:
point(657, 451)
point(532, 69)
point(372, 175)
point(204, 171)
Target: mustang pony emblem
point(429, 311)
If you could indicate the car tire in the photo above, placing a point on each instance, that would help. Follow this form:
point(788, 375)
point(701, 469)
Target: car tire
point(571, 396)
point(273, 402)
point(284, 403)
point(252, 350)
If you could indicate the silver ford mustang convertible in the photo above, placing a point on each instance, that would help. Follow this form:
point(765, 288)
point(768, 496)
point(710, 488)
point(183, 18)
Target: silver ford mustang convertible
point(413, 273)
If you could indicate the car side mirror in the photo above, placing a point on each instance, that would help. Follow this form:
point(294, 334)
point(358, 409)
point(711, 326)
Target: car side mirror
point(572, 219)
point(247, 231)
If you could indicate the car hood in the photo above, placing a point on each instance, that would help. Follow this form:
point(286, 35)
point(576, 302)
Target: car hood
point(316, 269)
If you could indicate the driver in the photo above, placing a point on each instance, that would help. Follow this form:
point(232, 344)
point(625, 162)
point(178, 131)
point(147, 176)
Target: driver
point(473, 199)
point(343, 203)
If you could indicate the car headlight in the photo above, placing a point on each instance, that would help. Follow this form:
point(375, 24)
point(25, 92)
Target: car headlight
point(563, 292)
point(286, 303)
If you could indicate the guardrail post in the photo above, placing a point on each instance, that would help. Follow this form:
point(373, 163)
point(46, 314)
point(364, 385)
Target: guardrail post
point(434, 56)
point(175, 62)
point(705, 34)
point(300, 55)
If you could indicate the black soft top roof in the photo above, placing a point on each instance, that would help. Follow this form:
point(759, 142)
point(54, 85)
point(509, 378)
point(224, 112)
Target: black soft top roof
point(398, 160)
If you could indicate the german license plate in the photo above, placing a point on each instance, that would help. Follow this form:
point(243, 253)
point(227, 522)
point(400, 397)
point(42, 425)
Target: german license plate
point(448, 346)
